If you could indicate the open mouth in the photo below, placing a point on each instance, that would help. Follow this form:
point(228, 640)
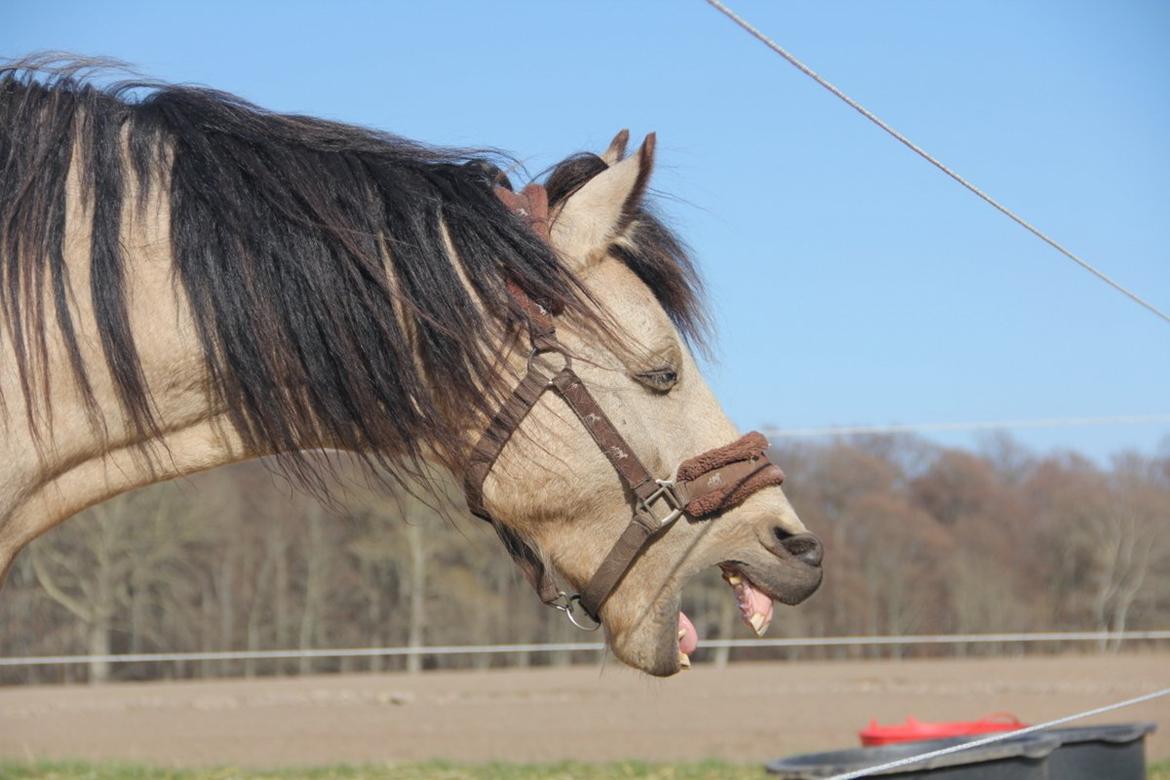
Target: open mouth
point(755, 609)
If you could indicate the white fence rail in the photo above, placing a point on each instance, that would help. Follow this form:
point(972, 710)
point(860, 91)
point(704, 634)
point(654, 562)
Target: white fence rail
point(365, 652)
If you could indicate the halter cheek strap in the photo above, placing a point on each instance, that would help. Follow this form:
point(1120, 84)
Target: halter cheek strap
point(704, 485)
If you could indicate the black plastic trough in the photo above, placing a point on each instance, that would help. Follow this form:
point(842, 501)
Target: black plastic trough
point(1115, 752)
point(1019, 758)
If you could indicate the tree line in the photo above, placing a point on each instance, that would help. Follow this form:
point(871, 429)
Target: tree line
point(919, 538)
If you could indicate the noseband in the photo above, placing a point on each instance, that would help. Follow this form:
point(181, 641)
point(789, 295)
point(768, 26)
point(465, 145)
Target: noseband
point(702, 486)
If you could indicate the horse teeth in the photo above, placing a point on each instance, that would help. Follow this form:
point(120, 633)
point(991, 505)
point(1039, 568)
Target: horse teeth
point(734, 579)
point(684, 660)
point(759, 624)
point(682, 632)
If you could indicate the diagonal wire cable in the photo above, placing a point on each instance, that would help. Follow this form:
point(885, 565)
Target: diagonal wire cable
point(806, 70)
point(1005, 735)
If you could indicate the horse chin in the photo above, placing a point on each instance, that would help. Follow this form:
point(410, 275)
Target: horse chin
point(649, 641)
point(658, 639)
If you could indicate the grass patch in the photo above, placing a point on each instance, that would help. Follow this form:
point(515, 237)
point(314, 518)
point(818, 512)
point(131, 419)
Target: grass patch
point(430, 770)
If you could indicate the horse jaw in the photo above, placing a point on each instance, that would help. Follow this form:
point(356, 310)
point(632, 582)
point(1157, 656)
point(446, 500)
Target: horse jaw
point(647, 629)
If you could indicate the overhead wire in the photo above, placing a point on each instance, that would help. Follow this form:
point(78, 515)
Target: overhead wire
point(805, 69)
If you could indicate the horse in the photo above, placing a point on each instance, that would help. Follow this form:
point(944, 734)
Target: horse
point(188, 280)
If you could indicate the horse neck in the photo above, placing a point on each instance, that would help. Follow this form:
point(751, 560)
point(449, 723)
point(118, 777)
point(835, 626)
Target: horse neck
point(63, 462)
point(68, 463)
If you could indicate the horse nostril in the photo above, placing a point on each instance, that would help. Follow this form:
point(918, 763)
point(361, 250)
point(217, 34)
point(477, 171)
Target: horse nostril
point(805, 547)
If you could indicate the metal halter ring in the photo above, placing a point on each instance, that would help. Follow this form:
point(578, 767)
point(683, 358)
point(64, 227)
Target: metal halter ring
point(549, 349)
point(567, 604)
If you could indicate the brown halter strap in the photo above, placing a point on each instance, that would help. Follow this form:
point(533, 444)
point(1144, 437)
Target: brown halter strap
point(711, 482)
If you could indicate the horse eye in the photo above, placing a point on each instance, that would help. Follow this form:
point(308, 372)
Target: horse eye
point(659, 379)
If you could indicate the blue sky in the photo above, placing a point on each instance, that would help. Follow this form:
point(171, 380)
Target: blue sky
point(851, 282)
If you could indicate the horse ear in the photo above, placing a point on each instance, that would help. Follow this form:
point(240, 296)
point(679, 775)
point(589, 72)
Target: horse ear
point(595, 215)
point(617, 148)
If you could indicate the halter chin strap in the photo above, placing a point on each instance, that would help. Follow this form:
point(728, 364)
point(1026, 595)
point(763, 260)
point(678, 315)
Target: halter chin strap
point(704, 485)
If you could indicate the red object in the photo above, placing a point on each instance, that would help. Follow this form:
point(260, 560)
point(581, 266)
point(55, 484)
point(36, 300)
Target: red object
point(914, 730)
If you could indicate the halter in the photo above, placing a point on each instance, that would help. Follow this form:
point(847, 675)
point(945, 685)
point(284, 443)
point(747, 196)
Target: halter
point(702, 486)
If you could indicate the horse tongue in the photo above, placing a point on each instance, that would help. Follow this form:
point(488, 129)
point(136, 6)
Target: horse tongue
point(688, 637)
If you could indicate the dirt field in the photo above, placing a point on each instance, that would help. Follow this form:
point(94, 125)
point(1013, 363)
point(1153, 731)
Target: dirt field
point(748, 712)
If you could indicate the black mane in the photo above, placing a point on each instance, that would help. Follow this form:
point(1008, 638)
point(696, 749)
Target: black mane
point(283, 228)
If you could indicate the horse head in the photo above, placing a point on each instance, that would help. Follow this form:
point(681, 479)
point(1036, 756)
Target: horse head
point(554, 486)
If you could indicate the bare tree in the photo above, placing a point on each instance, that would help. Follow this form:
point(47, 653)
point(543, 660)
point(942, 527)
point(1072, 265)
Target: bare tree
point(105, 567)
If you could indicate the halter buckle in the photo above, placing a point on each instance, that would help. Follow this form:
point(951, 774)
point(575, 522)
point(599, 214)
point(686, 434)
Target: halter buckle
point(669, 492)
